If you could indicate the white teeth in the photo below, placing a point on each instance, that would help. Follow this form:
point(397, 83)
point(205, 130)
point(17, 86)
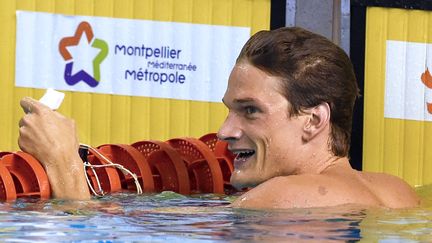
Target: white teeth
point(245, 153)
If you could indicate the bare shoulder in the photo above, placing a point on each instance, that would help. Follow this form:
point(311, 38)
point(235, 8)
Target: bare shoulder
point(392, 190)
point(278, 192)
point(308, 190)
point(302, 191)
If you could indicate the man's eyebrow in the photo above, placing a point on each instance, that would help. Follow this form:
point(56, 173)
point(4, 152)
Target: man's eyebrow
point(241, 101)
point(244, 100)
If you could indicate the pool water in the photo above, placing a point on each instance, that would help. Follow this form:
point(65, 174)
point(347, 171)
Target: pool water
point(170, 217)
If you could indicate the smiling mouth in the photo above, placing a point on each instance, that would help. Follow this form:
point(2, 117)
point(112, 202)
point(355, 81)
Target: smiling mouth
point(242, 156)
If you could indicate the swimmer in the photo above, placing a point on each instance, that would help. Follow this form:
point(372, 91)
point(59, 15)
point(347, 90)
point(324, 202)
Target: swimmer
point(290, 97)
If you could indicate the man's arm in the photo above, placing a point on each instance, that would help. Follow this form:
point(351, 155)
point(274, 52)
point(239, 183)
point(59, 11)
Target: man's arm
point(51, 138)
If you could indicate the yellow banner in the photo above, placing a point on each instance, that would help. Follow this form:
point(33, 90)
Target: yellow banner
point(105, 118)
point(397, 122)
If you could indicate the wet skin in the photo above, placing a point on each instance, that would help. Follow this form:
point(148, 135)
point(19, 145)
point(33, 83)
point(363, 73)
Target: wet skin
point(287, 158)
point(258, 127)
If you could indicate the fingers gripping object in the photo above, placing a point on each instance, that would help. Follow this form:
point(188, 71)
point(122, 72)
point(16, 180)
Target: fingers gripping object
point(53, 100)
point(183, 165)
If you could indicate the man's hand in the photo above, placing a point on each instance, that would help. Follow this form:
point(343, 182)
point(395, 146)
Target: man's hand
point(51, 138)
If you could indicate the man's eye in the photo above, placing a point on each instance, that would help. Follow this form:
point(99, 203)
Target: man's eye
point(251, 110)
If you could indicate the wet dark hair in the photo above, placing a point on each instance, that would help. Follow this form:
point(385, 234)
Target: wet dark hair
point(313, 70)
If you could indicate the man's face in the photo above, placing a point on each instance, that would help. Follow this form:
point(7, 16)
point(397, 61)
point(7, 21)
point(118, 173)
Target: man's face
point(258, 128)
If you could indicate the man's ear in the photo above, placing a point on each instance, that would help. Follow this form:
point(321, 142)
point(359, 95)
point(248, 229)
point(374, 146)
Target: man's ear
point(317, 121)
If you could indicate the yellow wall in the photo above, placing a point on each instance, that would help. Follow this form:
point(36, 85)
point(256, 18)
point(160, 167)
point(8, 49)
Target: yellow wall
point(399, 147)
point(121, 119)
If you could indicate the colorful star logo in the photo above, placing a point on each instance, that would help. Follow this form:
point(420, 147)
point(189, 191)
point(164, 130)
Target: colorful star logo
point(71, 79)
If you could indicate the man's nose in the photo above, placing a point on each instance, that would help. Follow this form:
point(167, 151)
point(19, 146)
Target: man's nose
point(230, 129)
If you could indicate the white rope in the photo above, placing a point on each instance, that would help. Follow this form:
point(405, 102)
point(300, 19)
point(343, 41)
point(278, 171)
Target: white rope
point(110, 164)
point(101, 192)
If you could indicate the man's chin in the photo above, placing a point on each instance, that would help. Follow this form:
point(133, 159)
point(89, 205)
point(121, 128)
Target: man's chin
point(240, 183)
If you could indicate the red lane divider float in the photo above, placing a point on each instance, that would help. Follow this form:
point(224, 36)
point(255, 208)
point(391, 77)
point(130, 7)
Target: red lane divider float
point(7, 186)
point(109, 178)
point(182, 165)
point(133, 160)
point(29, 177)
point(224, 156)
point(210, 140)
point(205, 173)
point(169, 171)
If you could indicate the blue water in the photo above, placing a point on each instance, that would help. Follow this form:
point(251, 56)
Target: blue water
point(169, 217)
